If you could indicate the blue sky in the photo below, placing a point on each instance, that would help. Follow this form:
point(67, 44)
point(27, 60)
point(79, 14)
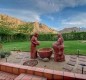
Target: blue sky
point(57, 14)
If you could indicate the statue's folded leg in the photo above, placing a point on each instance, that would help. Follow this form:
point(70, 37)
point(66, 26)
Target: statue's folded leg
point(62, 57)
point(58, 55)
point(56, 50)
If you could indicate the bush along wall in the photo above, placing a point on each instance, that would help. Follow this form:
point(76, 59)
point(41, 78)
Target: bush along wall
point(66, 36)
point(4, 54)
point(42, 37)
point(74, 36)
point(14, 37)
point(47, 37)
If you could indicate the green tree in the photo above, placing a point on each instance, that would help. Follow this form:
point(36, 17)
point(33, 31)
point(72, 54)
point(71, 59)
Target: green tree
point(26, 28)
point(4, 29)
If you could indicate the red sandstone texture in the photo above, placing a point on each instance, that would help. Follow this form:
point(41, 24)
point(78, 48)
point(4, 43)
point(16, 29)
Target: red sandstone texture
point(34, 43)
point(45, 52)
point(59, 49)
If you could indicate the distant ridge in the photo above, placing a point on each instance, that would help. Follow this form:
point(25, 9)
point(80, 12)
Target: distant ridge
point(68, 30)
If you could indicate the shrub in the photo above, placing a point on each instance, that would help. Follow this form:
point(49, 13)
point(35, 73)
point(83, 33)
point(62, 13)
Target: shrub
point(3, 54)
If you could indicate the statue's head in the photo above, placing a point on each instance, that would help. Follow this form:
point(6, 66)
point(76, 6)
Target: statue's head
point(36, 34)
point(59, 35)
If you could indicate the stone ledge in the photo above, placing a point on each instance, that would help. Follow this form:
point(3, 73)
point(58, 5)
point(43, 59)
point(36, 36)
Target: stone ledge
point(49, 74)
point(58, 75)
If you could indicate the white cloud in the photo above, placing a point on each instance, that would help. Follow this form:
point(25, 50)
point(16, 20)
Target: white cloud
point(49, 6)
point(44, 6)
point(55, 28)
point(30, 16)
point(22, 14)
point(78, 20)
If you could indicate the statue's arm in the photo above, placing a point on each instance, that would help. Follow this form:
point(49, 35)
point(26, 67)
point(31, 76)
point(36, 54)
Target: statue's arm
point(34, 41)
point(59, 41)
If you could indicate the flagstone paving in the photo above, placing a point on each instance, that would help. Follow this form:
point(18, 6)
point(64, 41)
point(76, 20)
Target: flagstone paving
point(21, 57)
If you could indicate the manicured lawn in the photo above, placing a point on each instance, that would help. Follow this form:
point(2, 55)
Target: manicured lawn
point(70, 46)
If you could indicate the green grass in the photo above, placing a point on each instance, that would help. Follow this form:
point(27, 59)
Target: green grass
point(70, 46)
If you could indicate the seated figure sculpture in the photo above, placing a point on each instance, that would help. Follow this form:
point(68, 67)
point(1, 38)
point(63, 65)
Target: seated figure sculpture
point(59, 49)
point(34, 43)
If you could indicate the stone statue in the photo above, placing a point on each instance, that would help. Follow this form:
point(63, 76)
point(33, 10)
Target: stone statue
point(34, 43)
point(59, 49)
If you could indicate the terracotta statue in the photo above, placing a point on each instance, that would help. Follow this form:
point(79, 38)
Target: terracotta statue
point(34, 43)
point(59, 49)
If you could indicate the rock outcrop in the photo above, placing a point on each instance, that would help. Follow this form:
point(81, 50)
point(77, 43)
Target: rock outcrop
point(42, 28)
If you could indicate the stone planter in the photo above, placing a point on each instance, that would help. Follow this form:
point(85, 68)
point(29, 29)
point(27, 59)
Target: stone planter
point(45, 52)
